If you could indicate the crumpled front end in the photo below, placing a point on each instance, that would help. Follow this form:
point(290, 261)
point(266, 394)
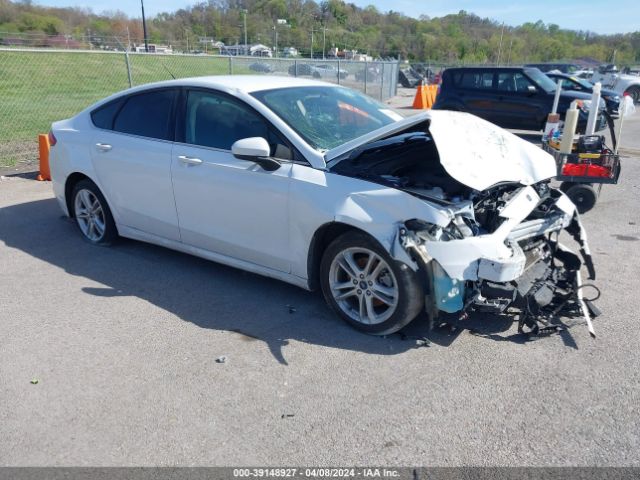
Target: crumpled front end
point(501, 253)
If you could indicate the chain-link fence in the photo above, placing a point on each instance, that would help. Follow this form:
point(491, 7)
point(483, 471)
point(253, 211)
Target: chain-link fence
point(38, 87)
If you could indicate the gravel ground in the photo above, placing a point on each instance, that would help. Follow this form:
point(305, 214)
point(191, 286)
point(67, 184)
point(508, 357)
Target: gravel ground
point(123, 343)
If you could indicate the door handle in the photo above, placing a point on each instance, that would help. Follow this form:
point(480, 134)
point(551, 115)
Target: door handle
point(189, 160)
point(104, 147)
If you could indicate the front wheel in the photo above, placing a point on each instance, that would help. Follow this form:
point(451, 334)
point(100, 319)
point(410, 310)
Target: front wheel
point(366, 287)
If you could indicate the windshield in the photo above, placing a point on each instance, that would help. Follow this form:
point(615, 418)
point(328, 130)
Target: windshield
point(582, 82)
point(541, 80)
point(327, 117)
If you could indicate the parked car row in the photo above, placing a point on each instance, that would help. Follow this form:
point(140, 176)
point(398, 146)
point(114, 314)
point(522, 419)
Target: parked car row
point(621, 83)
point(511, 97)
point(320, 70)
point(573, 83)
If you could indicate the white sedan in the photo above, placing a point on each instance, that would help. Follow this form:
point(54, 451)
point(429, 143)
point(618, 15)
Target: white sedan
point(321, 186)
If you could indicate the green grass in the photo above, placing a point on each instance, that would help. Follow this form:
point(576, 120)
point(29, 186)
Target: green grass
point(38, 88)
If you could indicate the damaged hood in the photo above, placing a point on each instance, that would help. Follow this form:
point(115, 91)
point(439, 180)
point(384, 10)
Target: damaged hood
point(480, 154)
point(473, 151)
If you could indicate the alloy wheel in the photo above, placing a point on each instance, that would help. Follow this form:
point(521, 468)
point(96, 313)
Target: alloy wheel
point(90, 215)
point(363, 285)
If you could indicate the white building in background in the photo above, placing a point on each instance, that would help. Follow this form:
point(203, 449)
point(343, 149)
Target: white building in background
point(257, 50)
point(210, 43)
point(154, 48)
point(260, 50)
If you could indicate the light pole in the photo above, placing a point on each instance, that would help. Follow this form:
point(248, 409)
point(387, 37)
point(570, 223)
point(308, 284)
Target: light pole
point(500, 47)
point(279, 21)
point(311, 54)
point(275, 34)
point(324, 41)
point(144, 28)
point(244, 15)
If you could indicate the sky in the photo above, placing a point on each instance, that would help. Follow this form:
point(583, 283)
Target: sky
point(621, 16)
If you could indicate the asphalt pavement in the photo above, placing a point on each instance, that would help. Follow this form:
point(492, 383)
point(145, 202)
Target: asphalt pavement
point(108, 357)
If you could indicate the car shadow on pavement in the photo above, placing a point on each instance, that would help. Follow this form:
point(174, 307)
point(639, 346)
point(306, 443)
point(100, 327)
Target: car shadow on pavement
point(211, 295)
point(204, 293)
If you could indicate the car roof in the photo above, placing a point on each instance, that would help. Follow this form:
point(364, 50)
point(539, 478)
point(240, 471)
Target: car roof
point(243, 83)
point(490, 67)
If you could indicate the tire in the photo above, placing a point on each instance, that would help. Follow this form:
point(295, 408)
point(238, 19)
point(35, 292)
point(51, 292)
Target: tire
point(387, 292)
point(583, 196)
point(564, 186)
point(92, 214)
point(634, 93)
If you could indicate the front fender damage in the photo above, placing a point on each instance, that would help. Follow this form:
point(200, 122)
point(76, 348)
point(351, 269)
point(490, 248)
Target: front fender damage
point(520, 268)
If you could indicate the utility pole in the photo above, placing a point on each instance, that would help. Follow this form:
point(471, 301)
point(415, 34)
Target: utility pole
point(244, 15)
point(311, 55)
point(279, 21)
point(500, 47)
point(324, 41)
point(144, 28)
point(275, 40)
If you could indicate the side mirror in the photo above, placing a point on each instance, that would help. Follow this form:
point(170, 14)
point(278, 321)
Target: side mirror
point(531, 90)
point(255, 149)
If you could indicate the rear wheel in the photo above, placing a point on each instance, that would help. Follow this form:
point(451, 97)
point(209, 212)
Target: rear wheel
point(583, 196)
point(366, 287)
point(92, 214)
point(634, 93)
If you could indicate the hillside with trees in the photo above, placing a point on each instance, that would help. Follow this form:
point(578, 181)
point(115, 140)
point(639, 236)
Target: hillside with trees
point(462, 37)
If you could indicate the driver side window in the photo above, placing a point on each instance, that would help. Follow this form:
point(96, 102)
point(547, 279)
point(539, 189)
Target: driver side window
point(218, 121)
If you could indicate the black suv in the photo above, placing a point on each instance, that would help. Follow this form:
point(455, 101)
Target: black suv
point(511, 97)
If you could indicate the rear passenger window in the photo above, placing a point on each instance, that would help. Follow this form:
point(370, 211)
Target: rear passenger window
point(103, 116)
point(476, 80)
point(147, 114)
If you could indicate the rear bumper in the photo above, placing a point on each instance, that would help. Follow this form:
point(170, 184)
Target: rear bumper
point(58, 179)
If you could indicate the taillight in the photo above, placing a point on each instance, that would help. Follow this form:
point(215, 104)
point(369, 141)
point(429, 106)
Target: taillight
point(52, 139)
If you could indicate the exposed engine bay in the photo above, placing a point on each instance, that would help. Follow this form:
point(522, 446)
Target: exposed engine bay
point(500, 251)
